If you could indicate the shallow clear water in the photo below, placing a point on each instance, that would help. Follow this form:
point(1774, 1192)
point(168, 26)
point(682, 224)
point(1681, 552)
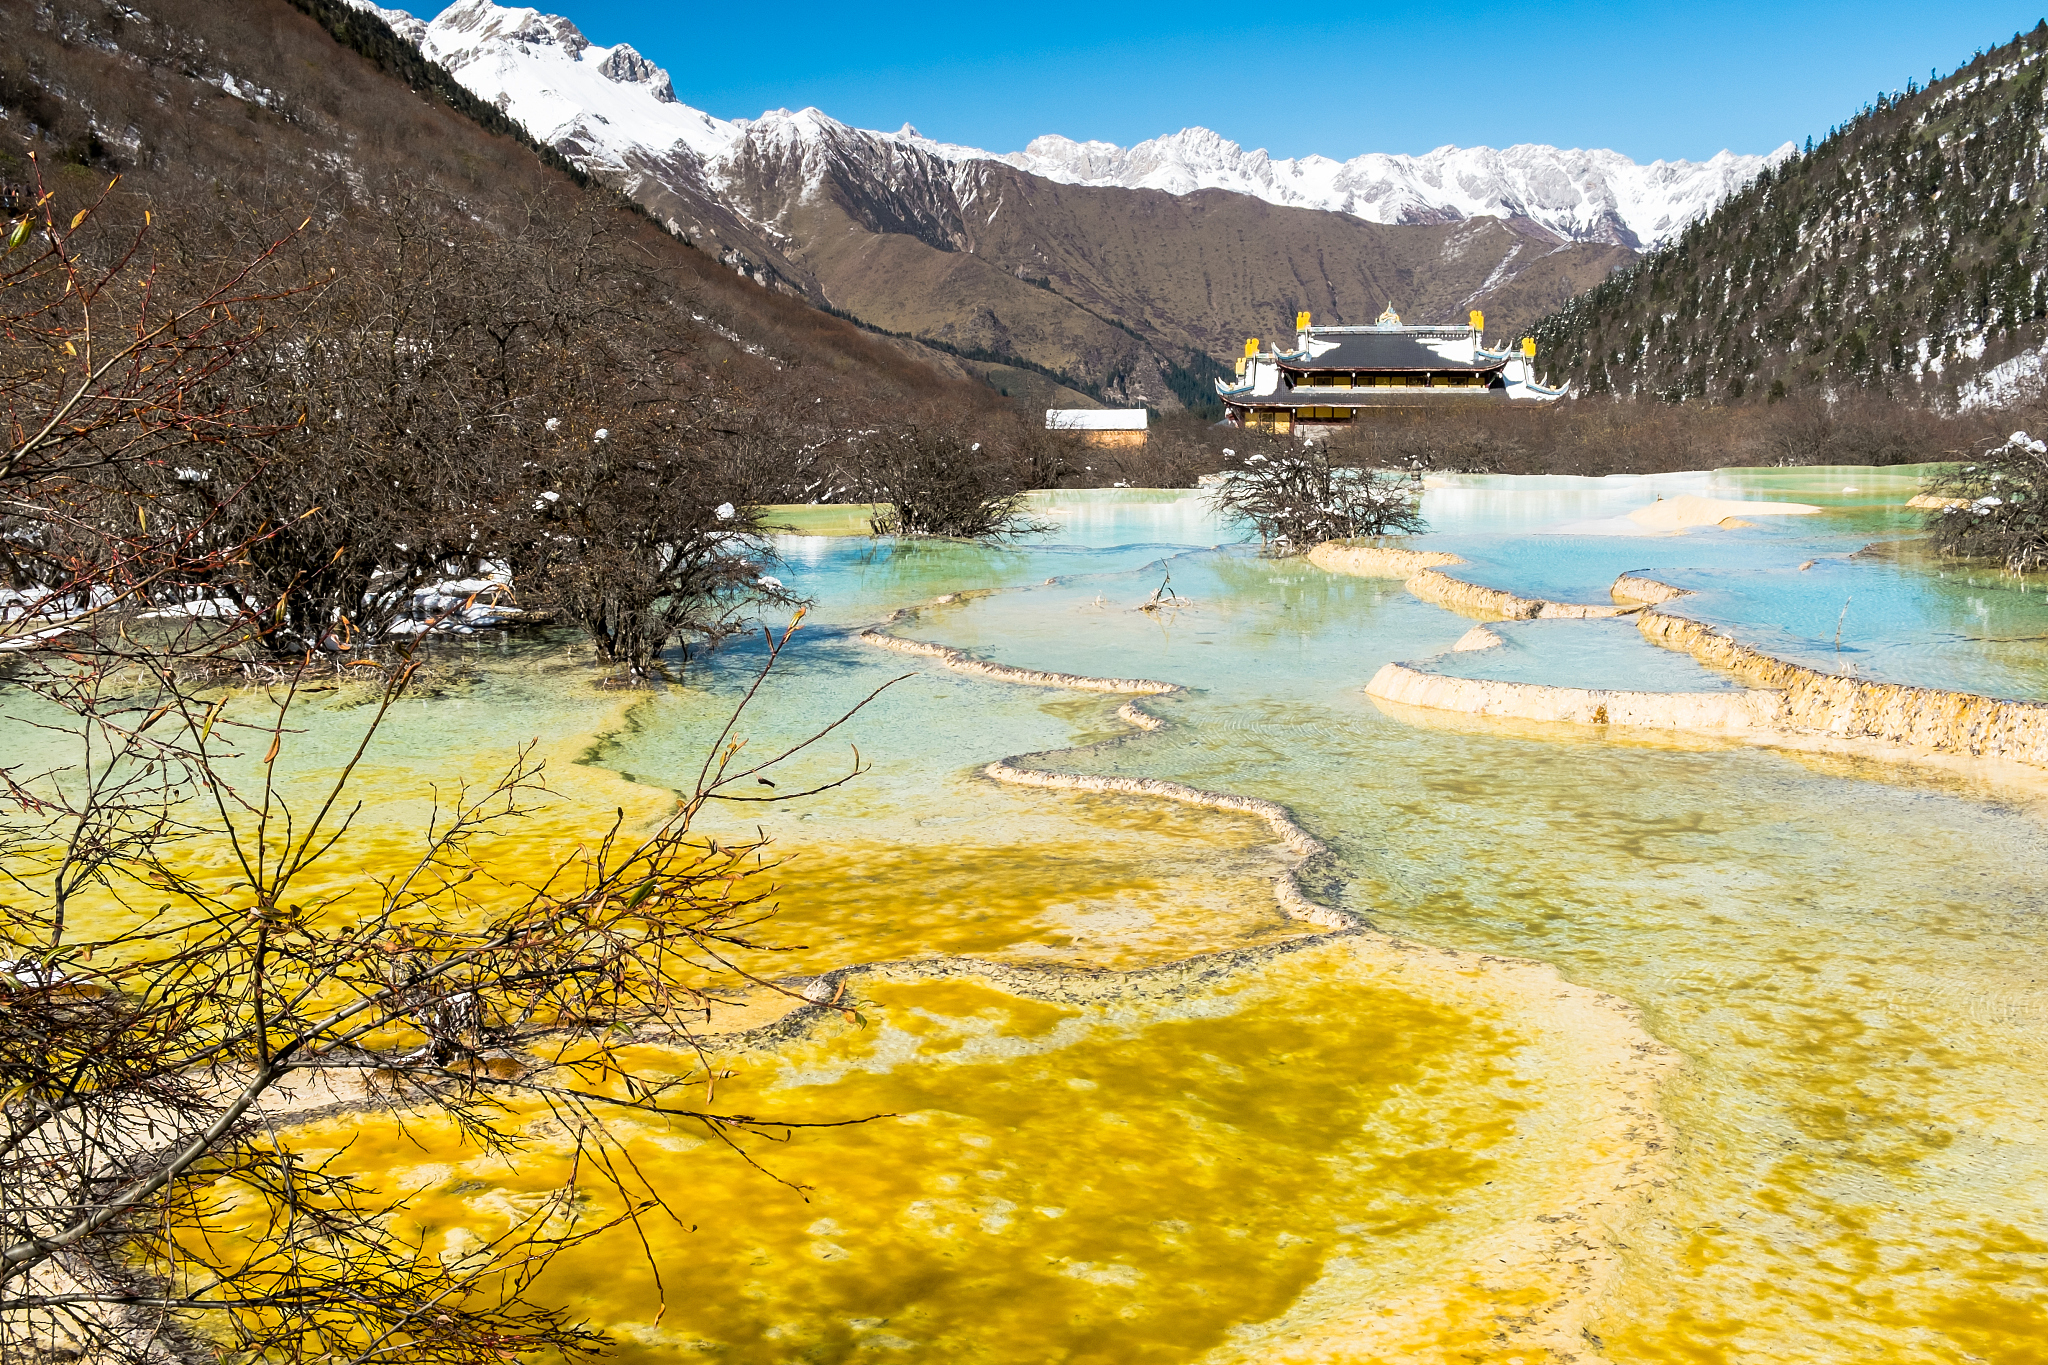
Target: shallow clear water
point(1892, 619)
point(1165, 1176)
point(1568, 653)
point(1278, 1155)
point(1843, 952)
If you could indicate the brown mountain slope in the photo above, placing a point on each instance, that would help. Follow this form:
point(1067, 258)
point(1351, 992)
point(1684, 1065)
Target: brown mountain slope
point(1214, 267)
point(1138, 292)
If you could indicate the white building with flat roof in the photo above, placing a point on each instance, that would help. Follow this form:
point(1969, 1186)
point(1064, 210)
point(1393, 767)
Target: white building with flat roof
point(1100, 426)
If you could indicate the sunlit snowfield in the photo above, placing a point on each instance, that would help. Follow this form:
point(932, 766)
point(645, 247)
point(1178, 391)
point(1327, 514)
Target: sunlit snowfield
point(1214, 1133)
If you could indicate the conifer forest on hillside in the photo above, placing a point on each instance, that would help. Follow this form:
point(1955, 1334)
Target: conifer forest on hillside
point(1903, 254)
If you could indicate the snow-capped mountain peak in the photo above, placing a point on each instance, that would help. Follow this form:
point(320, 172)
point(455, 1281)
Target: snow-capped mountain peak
point(403, 24)
point(598, 104)
point(475, 23)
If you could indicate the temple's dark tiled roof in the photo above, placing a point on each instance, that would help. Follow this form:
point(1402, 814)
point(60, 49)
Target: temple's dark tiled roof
point(1398, 354)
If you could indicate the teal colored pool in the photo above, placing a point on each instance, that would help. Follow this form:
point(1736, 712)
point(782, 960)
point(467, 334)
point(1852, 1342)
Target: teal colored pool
point(1568, 653)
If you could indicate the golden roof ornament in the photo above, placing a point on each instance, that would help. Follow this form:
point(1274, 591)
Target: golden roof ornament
point(1390, 318)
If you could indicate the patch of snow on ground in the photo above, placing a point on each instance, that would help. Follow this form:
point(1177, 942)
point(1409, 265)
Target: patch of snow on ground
point(2013, 381)
point(206, 609)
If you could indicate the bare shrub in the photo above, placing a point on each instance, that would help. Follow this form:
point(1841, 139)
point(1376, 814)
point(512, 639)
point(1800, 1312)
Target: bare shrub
point(2003, 505)
point(152, 1206)
point(1041, 458)
point(646, 530)
point(404, 397)
point(1178, 450)
point(110, 388)
point(1299, 496)
point(165, 1014)
point(933, 480)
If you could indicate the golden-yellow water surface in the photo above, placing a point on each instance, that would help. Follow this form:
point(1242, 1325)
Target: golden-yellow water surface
point(1342, 1151)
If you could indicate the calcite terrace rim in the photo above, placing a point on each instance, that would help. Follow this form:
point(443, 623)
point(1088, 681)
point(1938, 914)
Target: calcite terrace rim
point(1784, 703)
point(1422, 573)
point(960, 661)
point(1903, 716)
point(1717, 713)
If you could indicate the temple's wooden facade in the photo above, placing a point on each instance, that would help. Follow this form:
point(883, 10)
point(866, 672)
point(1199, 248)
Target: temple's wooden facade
point(1333, 371)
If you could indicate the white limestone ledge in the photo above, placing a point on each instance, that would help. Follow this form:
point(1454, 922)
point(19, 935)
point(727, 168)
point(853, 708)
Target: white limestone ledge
point(962, 662)
point(1477, 638)
point(1725, 713)
point(1422, 571)
point(1297, 840)
point(1287, 890)
point(1130, 715)
point(1785, 703)
point(1634, 588)
point(1376, 561)
point(1472, 599)
point(1858, 710)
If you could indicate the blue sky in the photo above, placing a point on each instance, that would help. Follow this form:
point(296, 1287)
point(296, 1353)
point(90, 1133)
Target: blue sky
point(1647, 80)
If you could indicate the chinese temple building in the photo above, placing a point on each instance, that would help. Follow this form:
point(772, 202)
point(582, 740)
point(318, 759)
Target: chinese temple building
point(1332, 372)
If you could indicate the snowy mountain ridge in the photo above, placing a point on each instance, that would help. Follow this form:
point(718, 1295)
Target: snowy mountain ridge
point(614, 110)
point(1580, 195)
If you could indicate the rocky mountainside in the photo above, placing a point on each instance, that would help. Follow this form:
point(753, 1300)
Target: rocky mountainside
point(1906, 253)
point(231, 122)
point(1126, 293)
point(1073, 269)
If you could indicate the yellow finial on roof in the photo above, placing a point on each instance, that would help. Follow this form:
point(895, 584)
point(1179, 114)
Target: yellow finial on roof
point(1301, 322)
point(1390, 318)
point(1478, 321)
point(1529, 347)
point(1251, 346)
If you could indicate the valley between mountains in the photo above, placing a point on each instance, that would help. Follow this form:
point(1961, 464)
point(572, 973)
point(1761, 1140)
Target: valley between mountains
point(1071, 272)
